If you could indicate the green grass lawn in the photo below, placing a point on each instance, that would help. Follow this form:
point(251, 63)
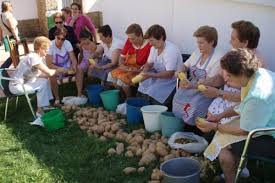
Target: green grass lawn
point(32, 154)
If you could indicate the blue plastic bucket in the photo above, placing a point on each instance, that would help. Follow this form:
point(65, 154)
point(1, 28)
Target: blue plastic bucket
point(181, 170)
point(93, 92)
point(170, 124)
point(133, 105)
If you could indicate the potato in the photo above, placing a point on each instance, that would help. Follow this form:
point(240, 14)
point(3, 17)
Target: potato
point(102, 138)
point(129, 170)
point(129, 154)
point(115, 127)
point(152, 148)
point(161, 151)
point(139, 139)
point(111, 151)
point(147, 159)
point(120, 148)
point(156, 175)
point(100, 129)
point(139, 152)
point(200, 120)
point(201, 87)
point(141, 169)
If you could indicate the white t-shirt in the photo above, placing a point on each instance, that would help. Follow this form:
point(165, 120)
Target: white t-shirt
point(5, 16)
point(62, 53)
point(168, 60)
point(213, 67)
point(25, 72)
point(116, 44)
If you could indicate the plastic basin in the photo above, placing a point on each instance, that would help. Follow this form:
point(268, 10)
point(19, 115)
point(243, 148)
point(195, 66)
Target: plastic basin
point(93, 92)
point(133, 105)
point(170, 124)
point(151, 114)
point(181, 170)
point(110, 99)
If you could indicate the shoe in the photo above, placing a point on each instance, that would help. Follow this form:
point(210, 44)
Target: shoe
point(38, 122)
point(38, 115)
point(244, 173)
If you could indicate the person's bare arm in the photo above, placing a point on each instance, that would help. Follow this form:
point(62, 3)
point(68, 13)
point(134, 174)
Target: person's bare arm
point(115, 58)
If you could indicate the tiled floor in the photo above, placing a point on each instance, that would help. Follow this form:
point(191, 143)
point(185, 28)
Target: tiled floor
point(4, 55)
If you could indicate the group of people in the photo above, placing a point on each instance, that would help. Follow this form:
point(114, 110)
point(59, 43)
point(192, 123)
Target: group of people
point(238, 96)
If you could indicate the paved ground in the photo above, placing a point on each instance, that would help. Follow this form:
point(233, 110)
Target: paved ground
point(4, 55)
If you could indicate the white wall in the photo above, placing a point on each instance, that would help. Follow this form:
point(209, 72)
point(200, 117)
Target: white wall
point(182, 17)
point(24, 9)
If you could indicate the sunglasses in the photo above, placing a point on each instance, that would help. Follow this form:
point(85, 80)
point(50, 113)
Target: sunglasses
point(58, 22)
point(61, 39)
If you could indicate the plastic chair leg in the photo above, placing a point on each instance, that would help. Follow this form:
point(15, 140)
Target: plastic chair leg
point(6, 108)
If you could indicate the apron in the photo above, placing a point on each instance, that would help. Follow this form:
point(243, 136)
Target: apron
point(219, 105)
point(100, 73)
point(126, 76)
point(190, 103)
point(158, 89)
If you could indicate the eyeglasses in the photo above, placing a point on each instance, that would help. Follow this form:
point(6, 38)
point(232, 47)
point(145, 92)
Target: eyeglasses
point(58, 22)
point(61, 39)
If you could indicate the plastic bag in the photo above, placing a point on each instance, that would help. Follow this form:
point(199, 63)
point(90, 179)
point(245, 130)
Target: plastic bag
point(121, 108)
point(196, 147)
point(71, 100)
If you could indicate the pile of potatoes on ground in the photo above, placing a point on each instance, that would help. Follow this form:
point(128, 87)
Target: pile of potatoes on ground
point(106, 125)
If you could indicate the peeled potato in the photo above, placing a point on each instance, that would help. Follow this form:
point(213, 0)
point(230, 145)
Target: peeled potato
point(137, 79)
point(71, 72)
point(201, 87)
point(92, 61)
point(200, 120)
point(182, 76)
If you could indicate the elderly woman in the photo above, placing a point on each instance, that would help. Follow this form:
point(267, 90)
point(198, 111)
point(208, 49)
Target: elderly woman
point(256, 110)
point(70, 36)
point(108, 53)
point(28, 73)
point(80, 22)
point(244, 35)
point(8, 25)
point(133, 56)
point(60, 55)
point(188, 102)
point(158, 73)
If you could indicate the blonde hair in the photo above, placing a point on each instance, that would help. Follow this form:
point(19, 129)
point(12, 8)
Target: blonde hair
point(41, 42)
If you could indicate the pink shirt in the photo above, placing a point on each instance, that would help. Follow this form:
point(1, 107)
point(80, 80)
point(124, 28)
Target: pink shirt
point(82, 22)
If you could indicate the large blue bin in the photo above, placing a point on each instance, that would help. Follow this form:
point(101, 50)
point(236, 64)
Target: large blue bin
point(133, 105)
point(93, 92)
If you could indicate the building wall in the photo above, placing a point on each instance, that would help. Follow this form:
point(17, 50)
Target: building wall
point(182, 17)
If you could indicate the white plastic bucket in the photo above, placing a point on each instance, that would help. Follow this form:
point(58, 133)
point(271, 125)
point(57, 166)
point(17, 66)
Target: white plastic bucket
point(151, 116)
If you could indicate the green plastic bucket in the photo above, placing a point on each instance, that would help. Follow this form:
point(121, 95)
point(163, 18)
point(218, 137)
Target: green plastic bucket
point(53, 120)
point(110, 99)
point(170, 124)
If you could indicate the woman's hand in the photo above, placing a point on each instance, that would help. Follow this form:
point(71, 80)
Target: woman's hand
point(185, 85)
point(98, 67)
point(124, 67)
point(211, 92)
point(214, 117)
point(147, 75)
point(206, 126)
point(62, 70)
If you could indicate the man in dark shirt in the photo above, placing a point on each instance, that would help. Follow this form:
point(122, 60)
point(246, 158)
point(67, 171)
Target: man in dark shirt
point(59, 23)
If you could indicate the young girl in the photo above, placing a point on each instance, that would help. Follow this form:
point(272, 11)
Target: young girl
point(87, 50)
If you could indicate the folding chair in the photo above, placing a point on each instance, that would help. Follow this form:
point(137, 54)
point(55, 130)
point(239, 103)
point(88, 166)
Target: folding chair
point(4, 85)
point(245, 154)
